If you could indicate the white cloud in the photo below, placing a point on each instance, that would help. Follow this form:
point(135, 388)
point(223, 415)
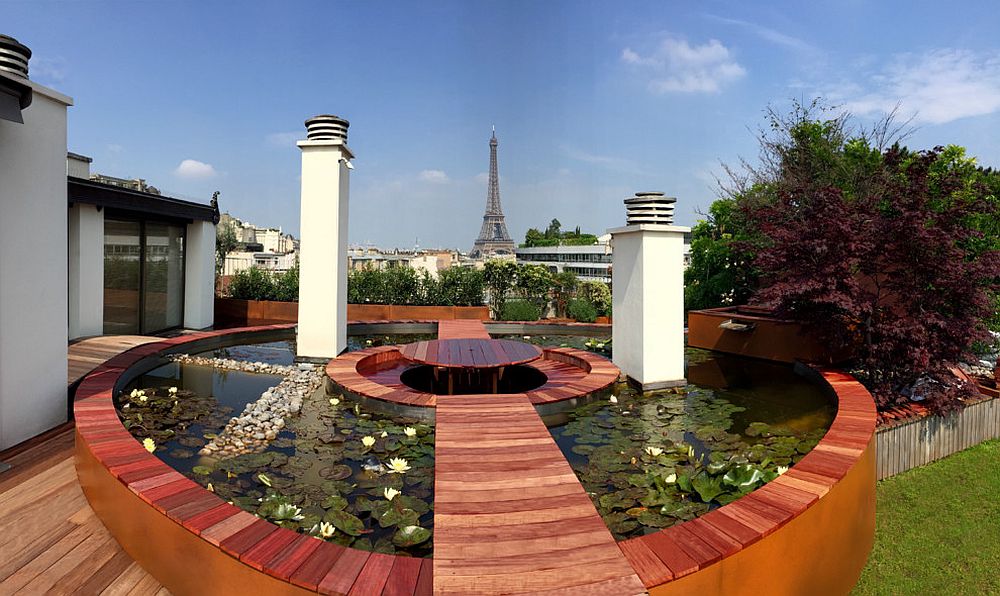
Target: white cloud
point(937, 86)
point(284, 139)
point(48, 69)
point(433, 176)
point(678, 67)
point(482, 178)
point(619, 164)
point(193, 169)
point(768, 34)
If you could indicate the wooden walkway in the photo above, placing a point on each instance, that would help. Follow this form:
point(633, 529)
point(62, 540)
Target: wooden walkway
point(462, 329)
point(87, 354)
point(510, 515)
point(50, 540)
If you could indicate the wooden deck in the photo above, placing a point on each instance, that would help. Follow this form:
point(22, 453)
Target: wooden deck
point(50, 540)
point(510, 515)
point(87, 354)
point(462, 329)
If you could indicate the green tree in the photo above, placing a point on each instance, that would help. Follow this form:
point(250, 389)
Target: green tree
point(553, 231)
point(563, 289)
point(500, 277)
point(225, 242)
point(534, 282)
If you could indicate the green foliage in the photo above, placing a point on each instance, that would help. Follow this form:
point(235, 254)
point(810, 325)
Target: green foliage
point(499, 277)
point(599, 294)
point(563, 288)
point(520, 310)
point(225, 241)
point(454, 286)
point(252, 284)
point(554, 236)
point(534, 282)
point(286, 285)
point(720, 272)
point(581, 310)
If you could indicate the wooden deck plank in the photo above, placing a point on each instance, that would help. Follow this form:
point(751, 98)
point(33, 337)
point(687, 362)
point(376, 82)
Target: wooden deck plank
point(87, 354)
point(555, 541)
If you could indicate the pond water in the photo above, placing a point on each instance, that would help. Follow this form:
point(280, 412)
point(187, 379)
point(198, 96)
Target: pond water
point(318, 471)
point(647, 461)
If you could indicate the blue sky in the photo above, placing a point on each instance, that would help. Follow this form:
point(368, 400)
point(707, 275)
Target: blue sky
point(592, 101)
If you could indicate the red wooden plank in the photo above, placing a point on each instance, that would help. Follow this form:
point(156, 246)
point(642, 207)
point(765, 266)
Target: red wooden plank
point(341, 576)
point(373, 575)
point(317, 565)
point(403, 577)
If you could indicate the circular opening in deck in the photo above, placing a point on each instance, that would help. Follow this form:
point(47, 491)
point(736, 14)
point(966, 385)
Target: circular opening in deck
point(511, 379)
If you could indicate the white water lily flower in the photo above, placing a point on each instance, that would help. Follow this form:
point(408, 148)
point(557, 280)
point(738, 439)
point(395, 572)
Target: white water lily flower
point(391, 493)
point(287, 511)
point(142, 397)
point(368, 342)
point(334, 401)
point(172, 391)
point(654, 451)
point(398, 465)
point(264, 480)
point(384, 434)
point(613, 399)
point(782, 470)
point(210, 488)
point(325, 529)
point(670, 479)
point(368, 441)
point(410, 431)
point(149, 444)
point(690, 450)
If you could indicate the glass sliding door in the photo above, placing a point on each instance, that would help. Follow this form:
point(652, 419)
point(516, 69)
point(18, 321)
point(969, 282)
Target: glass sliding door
point(122, 270)
point(143, 276)
point(163, 277)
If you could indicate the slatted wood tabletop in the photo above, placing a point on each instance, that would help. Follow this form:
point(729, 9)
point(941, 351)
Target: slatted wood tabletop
point(87, 354)
point(470, 353)
point(50, 540)
point(510, 515)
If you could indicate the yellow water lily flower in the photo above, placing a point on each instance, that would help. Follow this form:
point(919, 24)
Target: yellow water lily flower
point(391, 493)
point(690, 450)
point(172, 391)
point(654, 451)
point(613, 399)
point(670, 479)
point(135, 393)
point(384, 434)
point(149, 444)
point(410, 431)
point(210, 488)
point(368, 441)
point(326, 530)
point(334, 401)
point(398, 465)
point(782, 470)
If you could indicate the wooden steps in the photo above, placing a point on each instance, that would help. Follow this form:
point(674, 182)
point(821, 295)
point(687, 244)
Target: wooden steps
point(510, 515)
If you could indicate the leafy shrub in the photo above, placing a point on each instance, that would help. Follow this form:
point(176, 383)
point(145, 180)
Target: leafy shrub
point(455, 286)
point(252, 284)
point(599, 294)
point(581, 310)
point(460, 286)
point(286, 285)
point(500, 277)
point(520, 310)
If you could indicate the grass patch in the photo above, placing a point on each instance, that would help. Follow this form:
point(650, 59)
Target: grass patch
point(938, 528)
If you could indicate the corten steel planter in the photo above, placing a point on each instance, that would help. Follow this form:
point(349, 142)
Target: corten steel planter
point(755, 332)
point(233, 312)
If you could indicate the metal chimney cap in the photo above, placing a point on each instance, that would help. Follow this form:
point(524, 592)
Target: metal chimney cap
point(14, 56)
point(326, 127)
point(650, 208)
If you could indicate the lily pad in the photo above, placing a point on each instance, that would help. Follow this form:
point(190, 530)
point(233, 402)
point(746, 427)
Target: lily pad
point(410, 536)
point(336, 472)
point(345, 522)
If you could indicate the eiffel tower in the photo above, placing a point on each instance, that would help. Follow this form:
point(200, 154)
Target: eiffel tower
point(493, 237)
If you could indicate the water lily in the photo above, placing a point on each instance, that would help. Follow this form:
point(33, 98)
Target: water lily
point(654, 451)
point(613, 399)
point(782, 470)
point(149, 444)
point(264, 480)
point(384, 434)
point(410, 431)
point(172, 391)
point(368, 342)
point(325, 530)
point(135, 393)
point(334, 401)
point(210, 488)
point(142, 397)
point(368, 441)
point(672, 478)
point(287, 511)
point(391, 493)
point(398, 465)
point(690, 450)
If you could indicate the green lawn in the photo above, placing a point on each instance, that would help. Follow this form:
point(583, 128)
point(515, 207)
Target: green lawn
point(938, 528)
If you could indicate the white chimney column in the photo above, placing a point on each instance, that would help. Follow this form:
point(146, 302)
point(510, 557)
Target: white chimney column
point(648, 293)
point(322, 330)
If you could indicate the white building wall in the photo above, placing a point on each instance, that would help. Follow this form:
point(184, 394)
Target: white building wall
point(648, 304)
point(86, 271)
point(322, 330)
point(33, 269)
point(199, 278)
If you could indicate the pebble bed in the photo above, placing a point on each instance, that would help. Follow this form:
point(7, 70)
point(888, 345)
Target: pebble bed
point(261, 420)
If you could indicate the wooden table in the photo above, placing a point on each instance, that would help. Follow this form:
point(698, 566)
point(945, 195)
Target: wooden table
point(457, 356)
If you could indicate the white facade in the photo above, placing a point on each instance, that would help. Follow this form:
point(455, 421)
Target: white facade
point(322, 330)
point(648, 303)
point(33, 281)
point(591, 262)
point(199, 275)
point(237, 261)
point(86, 270)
